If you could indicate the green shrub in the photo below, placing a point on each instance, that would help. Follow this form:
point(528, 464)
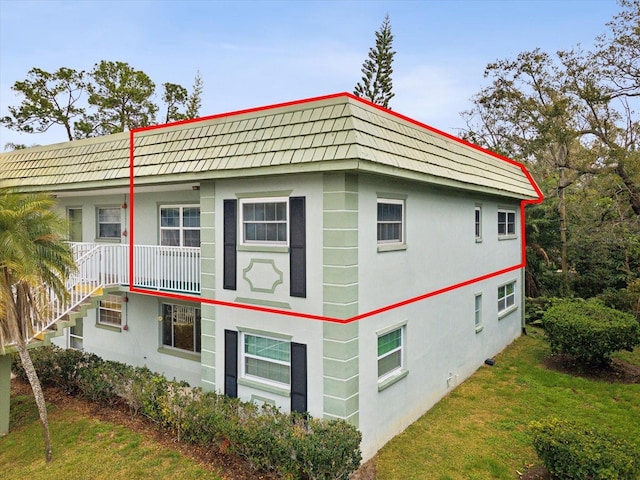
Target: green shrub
point(330, 450)
point(589, 331)
point(534, 308)
point(289, 444)
point(572, 452)
point(45, 361)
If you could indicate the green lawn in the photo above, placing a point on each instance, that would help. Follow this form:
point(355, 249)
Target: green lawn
point(477, 432)
point(480, 431)
point(85, 448)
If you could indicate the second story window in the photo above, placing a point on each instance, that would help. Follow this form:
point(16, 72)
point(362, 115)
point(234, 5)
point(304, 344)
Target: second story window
point(264, 221)
point(109, 222)
point(180, 226)
point(390, 221)
point(506, 223)
point(478, 223)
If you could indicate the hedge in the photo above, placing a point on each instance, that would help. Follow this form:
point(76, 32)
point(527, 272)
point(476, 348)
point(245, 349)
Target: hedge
point(290, 444)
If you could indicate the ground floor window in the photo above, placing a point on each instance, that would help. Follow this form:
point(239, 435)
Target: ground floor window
point(110, 311)
point(390, 356)
point(267, 359)
point(181, 327)
point(478, 312)
point(506, 297)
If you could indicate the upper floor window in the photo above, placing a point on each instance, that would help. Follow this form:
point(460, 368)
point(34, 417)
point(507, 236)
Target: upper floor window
point(506, 297)
point(181, 327)
point(390, 221)
point(390, 357)
point(506, 223)
point(180, 226)
point(110, 311)
point(266, 358)
point(264, 221)
point(109, 222)
point(478, 222)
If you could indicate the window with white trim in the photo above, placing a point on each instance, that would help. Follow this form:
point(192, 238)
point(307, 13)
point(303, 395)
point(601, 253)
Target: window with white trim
point(110, 311)
point(478, 222)
point(478, 312)
point(109, 222)
point(181, 327)
point(506, 297)
point(180, 225)
point(506, 223)
point(390, 221)
point(266, 359)
point(390, 355)
point(264, 221)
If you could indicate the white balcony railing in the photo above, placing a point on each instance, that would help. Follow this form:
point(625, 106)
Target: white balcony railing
point(159, 268)
point(155, 267)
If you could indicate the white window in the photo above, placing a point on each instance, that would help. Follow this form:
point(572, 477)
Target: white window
point(390, 221)
point(390, 356)
point(110, 311)
point(264, 221)
point(181, 327)
point(506, 297)
point(478, 222)
point(478, 312)
point(506, 223)
point(180, 226)
point(266, 359)
point(109, 222)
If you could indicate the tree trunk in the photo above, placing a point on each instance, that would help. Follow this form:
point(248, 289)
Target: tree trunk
point(30, 370)
point(562, 212)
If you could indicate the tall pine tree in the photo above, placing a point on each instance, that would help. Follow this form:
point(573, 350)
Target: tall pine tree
point(376, 84)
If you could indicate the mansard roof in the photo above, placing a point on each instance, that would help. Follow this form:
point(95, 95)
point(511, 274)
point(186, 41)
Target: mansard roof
point(331, 133)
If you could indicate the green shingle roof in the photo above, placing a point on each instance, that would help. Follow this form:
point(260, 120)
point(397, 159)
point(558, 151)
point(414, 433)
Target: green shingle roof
point(339, 132)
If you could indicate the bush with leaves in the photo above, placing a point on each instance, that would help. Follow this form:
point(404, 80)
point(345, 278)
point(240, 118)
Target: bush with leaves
point(289, 444)
point(571, 451)
point(589, 331)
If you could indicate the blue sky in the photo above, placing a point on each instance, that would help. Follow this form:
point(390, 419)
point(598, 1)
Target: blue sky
point(254, 53)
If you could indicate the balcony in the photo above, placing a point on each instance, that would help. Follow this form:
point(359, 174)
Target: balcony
point(155, 267)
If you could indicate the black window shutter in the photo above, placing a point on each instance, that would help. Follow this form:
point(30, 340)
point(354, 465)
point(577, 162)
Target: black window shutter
point(297, 248)
point(230, 234)
point(298, 377)
point(231, 363)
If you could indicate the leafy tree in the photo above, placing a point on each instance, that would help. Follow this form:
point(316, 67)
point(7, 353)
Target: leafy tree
point(122, 97)
point(34, 265)
point(49, 99)
point(376, 84)
point(195, 99)
point(573, 119)
point(174, 96)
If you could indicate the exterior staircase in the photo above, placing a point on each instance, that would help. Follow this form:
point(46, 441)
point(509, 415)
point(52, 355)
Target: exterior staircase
point(101, 267)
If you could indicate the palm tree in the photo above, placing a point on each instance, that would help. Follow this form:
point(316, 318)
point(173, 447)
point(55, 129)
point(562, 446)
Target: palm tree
point(34, 265)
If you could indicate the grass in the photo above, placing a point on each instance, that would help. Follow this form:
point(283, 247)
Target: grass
point(480, 431)
point(85, 448)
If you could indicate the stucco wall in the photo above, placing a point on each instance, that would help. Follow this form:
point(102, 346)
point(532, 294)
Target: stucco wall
point(259, 268)
point(138, 345)
point(442, 347)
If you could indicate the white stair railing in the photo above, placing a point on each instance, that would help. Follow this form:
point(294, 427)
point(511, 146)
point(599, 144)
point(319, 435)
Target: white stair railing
point(159, 268)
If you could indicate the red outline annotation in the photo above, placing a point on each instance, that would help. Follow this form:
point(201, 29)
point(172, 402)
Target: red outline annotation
point(309, 316)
